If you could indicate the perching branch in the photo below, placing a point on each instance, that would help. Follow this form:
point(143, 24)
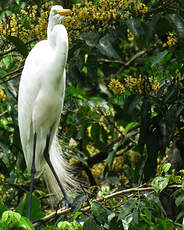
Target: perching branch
point(103, 198)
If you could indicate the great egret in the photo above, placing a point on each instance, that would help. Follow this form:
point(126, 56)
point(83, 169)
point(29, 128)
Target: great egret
point(40, 103)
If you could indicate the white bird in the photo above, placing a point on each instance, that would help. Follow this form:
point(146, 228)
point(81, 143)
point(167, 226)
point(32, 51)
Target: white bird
point(40, 103)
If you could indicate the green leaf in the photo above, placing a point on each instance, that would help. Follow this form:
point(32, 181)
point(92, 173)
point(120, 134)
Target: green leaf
point(179, 200)
point(140, 29)
point(154, 201)
point(115, 224)
point(76, 92)
point(3, 226)
point(76, 215)
point(99, 212)
point(134, 25)
point(2, 72)
point(166, 167)
point(36, 212)
point(106, 47)
point(19, 44)
point(159, 183)
point(91, 38)
point(78, 202)
point(136, 215)
point(14, 219)
point(26, 224)
point(3, 208)
point(98, 135)
point(126, 222)
point(178, 24)
point(180, 216)
point(159, 57)
point(10, 217)
point(129, 126)
point(104, 89)
point(90, 224)
point(111, 155)
point(64, 225)
point(127, 208)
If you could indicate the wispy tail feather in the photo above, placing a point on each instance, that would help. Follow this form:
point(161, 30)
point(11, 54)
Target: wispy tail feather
point(63, 170)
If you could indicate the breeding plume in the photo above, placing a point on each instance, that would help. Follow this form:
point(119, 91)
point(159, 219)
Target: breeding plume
point(40, 103)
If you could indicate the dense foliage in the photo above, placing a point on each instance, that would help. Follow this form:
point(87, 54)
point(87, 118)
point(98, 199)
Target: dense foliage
point(122, 125)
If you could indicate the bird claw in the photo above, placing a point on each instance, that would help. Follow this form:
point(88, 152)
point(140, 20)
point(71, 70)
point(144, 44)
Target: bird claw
point(68, 203)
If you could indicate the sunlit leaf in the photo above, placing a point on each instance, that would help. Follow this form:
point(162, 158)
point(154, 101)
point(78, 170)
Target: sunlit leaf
point(160, 183)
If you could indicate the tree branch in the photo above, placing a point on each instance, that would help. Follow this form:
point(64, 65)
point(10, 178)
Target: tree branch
point(103, 198)
point(140, 53)
point(13, 72)
point(10, 78)
point(161, 7)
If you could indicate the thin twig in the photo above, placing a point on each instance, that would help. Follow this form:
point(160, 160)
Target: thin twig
point(18, 186)
point(163, 6)
point(3, 113)
point(16, 75)
point(52, 215)
point(111, 61)
point(140, 53)
point(103, 198)
point(10, 73)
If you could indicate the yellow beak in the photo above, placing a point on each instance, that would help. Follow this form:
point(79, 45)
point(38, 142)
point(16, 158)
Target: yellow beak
point(64, 11)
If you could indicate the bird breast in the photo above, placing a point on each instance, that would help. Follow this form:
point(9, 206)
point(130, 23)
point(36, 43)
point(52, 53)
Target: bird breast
point(47, 109)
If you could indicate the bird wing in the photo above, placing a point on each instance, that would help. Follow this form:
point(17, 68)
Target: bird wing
point(30, 85)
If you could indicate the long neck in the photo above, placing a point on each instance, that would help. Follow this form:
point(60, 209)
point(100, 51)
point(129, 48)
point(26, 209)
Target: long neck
point(58, 41)
point(50, 27)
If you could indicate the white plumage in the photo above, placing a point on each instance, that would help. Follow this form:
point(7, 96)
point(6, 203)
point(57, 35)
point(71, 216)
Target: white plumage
point(40, 100)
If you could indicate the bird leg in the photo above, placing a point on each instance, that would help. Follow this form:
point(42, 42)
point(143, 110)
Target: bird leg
point(47, 158)
point(33, 170)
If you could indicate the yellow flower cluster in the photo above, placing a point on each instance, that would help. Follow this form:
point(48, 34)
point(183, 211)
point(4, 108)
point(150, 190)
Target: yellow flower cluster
point(87, 17)
point(97, 171)
point(92, 150)
point(27, 24)
point(138, 7)
point(142, 85)
point(103, 122)
point(116, 87)
point(118, 164)
point(178, 80)
point(2, 178)
point(130, 36)
point(32, 22)
point(2, 96)
point(171, 40)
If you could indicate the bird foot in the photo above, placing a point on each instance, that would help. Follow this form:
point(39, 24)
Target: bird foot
point(68, 203)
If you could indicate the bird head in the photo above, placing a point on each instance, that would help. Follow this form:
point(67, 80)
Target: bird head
point(57, 14)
